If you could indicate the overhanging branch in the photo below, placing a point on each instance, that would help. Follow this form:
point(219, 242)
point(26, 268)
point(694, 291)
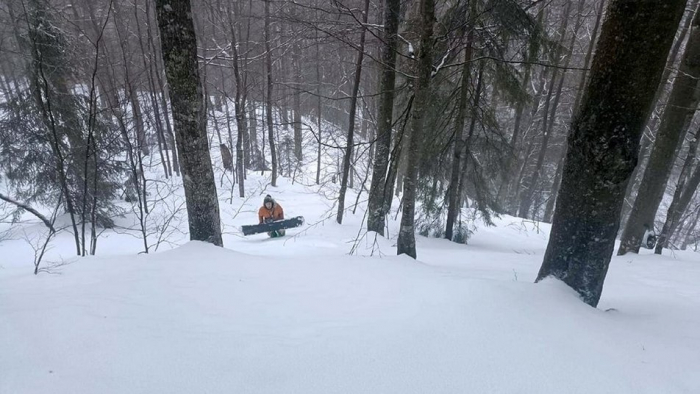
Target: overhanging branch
point(29, 209)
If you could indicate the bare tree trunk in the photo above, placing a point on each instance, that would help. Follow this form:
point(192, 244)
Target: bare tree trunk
point(351, 124)
point(168, 132)
point(239, 107)
point(516, 188)
point(130, 91)
point(377, 193)
point(549, 210)
point(406, 244)
point(604, 140)
point(268, 107)
point(162, 144)
point(253, 127)
point(452, 191)
point(394, 176)
point(296, 102)
point(244, 88)
point(685, 189)
point(521, 172)
point(689, 231)
point(531, 182)
point(512, 161)
point(680, 109)
point(318, 110)
point(673, 55)
point(652, 121)
point(43, 93)
point(470, 134)
point(179, 48)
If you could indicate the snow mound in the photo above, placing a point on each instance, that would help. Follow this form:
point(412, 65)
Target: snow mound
point(210, 320)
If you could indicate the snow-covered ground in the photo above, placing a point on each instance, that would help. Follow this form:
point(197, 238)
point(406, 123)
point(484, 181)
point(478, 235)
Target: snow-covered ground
point(330, 309)
point(301, 315)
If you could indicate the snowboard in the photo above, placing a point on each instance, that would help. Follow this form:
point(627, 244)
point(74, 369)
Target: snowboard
point(272, 226)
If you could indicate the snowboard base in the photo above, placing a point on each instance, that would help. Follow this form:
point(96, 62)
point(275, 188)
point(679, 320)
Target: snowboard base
point(272, 226)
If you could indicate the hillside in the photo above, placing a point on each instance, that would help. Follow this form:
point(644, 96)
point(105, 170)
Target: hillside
point(301, 315)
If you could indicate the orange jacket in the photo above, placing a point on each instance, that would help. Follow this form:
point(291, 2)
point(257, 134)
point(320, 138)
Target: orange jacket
point(276, 213)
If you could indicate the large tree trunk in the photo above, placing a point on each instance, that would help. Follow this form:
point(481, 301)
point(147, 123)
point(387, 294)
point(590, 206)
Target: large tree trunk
point(681, 106)
point(351, 121)
point(604, 141)
point(179, 48)
point(377, 194)
point(406, 244)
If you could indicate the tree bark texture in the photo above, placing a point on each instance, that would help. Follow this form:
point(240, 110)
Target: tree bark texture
point(604, 141)
point(406, 243)
point(179, 49)
point(375, 205)
point(268, 106)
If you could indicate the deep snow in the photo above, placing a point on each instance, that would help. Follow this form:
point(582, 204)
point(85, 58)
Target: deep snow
point(301, 315)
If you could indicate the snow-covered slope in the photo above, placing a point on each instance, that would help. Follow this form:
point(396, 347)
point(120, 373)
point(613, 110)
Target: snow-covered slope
point(210, 320)
point(300, 315)
point(330, 309)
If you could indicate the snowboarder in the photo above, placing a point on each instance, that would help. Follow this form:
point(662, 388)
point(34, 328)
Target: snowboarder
point(271, 211)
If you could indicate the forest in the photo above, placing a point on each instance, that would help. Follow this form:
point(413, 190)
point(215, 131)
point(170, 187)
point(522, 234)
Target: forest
point(441, 152)
point(507, 107)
